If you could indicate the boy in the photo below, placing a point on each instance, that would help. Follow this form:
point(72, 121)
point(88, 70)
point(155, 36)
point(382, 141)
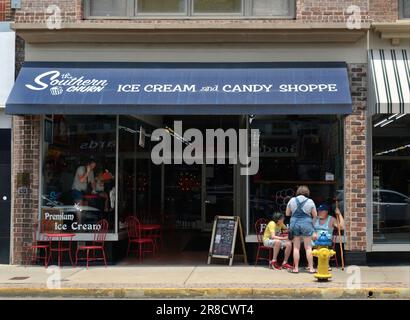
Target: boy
point(273, 237)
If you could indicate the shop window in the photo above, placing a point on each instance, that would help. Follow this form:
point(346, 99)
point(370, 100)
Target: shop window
point(404, 9)
point(78, 173)
point(296, 150)
point(391, 178)
point(284, 9)
point(139, 180)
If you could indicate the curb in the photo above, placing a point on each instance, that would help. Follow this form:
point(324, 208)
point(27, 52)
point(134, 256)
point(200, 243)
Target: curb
point(209, 293)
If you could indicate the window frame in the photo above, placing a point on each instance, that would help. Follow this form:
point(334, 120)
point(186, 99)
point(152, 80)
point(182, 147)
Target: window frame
point(189, 14)
point(401, 11)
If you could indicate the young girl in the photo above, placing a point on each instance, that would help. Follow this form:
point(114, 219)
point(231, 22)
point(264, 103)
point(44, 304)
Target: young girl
point(274, 237)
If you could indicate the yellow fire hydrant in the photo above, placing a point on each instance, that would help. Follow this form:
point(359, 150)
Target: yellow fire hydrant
point(323, 254)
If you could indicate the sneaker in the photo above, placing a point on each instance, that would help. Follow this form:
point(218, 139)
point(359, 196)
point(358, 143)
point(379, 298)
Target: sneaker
point(287, 266)
point(275, 265)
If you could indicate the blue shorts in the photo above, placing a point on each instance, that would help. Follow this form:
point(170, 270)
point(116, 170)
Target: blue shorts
point(302, 227)
point(77, 195)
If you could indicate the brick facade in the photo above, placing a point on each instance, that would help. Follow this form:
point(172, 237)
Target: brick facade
point(26, 130)
point(5, 10)
point(355, 161)
point(307, 11)
point(26, 160)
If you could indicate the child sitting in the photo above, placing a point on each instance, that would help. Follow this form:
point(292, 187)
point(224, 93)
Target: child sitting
point(274, 237)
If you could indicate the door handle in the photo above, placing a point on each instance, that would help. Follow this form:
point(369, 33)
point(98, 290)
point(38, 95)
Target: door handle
point(4, 198)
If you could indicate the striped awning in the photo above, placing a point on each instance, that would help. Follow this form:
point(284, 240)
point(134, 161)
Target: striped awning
point(390, 81)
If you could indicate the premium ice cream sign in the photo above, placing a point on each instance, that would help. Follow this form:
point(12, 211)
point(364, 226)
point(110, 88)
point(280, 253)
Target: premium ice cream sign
point(58, 83)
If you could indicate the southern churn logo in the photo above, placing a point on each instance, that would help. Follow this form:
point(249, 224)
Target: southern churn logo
point(59, 83)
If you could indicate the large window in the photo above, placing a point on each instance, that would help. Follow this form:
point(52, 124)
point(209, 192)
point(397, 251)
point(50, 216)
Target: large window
point(404, 9)
point(139, 180)
point(141, 8)
point(78, 173)
point(391, 178)
point(296, 150)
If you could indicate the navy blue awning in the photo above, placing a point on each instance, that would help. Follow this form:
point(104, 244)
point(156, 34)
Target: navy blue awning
point(181, 88)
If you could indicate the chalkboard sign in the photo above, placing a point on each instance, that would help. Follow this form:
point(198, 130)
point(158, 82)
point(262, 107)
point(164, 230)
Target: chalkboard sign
point(223, 238)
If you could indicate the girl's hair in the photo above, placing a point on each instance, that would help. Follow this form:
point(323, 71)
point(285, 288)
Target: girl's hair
point(303, 190)
point(277, 216)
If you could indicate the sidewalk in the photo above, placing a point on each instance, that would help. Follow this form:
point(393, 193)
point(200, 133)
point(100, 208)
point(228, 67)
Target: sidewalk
point(392, 282)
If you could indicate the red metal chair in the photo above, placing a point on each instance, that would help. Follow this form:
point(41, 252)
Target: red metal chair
point(135, 237)
point(260, 226)
point(96, 246)
point(36, 245)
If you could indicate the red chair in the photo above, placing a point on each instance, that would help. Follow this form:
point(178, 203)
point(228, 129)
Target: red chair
point(135, 237)
point(260, 226)
point(37, 245)
point(96, 246)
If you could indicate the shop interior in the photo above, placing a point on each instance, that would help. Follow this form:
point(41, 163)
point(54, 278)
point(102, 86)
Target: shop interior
point(184, 198)
point(391, 178)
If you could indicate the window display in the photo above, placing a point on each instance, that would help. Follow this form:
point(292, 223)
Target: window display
point(295, 150)
point(78, 173)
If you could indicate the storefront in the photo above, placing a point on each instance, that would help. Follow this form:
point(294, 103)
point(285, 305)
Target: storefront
point(110, 113)
point(388, 150)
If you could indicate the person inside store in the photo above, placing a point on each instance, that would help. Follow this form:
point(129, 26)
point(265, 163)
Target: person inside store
point(325, 223)
point(302, 211)
point(84, 176)
point(102, 178)
point(275, 236)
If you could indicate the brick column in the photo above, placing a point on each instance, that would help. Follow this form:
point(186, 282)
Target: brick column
point(26, 159)
point(355, 168)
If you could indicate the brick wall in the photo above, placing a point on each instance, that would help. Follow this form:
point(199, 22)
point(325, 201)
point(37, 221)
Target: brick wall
point(306, 11)
point(384, 10)
point(26, 159)
point(355, 161)
point(5, 11)
point(329, 10)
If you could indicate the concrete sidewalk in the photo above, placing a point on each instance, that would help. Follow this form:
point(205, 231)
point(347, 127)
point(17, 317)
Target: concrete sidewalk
point(389, 282)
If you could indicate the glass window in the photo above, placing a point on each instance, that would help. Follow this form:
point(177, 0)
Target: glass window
point(78, 185)
point(139, 180)
point(296, 150)
point(271, 7)
point(217, 6)
point(404, 9)
point(391, 178)
point(124, 8)
point(161, 6)
point(110, 8)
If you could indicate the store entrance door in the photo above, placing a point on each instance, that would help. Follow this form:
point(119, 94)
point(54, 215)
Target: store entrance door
point(5, 194)
point(218, 193)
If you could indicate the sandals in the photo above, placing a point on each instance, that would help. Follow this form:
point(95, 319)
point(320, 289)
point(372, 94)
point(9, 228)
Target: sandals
point(293, 271)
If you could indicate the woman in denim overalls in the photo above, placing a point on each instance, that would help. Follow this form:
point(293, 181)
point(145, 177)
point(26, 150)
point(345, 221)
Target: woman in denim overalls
point(302, 211)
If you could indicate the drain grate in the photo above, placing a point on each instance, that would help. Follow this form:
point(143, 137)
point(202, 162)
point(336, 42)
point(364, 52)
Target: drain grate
point(19, 278)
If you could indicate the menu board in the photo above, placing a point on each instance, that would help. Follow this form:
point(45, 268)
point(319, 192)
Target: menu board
point(223, 238)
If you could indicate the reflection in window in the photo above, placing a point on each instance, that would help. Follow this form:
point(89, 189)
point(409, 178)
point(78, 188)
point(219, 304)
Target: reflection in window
point(139, 180)
point(296, 150)
point(271, 8)
point(404, 8)
point(114, 8)
point(391, 178)
point(161, 6)
point(78, 182)
point(217, 6)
